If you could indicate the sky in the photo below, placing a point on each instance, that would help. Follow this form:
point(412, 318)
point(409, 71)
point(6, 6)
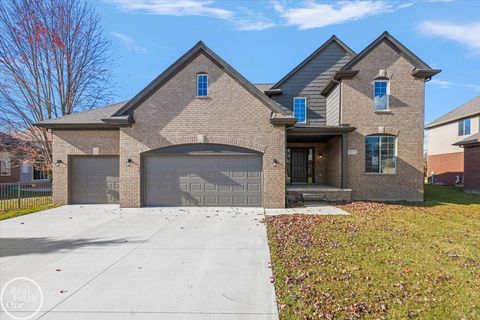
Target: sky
point(265, 39)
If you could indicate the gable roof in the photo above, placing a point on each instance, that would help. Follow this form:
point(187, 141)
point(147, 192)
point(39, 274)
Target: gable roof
point(178, 65)
point(467, 109)
point(92, 118)
point(313, 55)
point(385, 36)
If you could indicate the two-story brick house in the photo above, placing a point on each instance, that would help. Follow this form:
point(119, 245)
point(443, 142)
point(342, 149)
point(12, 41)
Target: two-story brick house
point(445, 161)
point(340, 125)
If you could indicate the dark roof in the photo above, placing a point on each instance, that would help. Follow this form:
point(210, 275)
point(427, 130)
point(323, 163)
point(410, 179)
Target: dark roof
point(416, 61)
point(472, 140)
point(471, 108)
point(332, 83)
point(92, 118)
point(422, 70)
point(315, 53)
point(178, 65)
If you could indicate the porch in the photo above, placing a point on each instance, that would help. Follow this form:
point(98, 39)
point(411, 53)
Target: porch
point(316, 166)
point(318, 192)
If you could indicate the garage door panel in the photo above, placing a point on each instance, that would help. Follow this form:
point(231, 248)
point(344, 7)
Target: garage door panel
point(223, 180)
point(95, 179)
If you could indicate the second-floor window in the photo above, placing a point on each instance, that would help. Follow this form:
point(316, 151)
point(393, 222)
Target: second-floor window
point(464, 127)
point(380, 95)
point(202, 85)
point(300, 109)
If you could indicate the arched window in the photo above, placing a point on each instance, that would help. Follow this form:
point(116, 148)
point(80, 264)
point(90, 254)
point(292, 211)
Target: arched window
point(381, 154)
point(202, 85)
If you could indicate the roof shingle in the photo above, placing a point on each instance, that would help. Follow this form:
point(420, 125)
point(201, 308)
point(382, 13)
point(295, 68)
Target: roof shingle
point(468, 109)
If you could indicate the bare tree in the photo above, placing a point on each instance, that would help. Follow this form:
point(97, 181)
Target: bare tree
point(54, 60)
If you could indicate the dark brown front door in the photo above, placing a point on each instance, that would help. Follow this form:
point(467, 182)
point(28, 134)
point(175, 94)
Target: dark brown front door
point(299, 165)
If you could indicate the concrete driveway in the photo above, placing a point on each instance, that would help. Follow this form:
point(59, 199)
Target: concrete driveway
point(102, 262)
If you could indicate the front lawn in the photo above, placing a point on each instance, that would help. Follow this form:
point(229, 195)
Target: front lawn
point(385, 261)
point(20, 212)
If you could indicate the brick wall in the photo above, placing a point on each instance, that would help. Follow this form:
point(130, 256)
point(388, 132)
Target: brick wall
point(472, 169)
point(230, 115)
point(77, 142)
point(405, 120)
point(14, 176)
point(446, 167)
point(334, 164)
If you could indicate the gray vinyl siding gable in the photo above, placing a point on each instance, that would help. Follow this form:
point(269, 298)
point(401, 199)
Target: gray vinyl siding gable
point(333, 107)
point(308, 81)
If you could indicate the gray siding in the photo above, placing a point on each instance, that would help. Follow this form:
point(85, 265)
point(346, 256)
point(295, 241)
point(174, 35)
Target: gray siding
point(310, 79)
point(333, 107)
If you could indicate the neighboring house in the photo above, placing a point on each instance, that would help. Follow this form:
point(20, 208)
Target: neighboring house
point(471, 146)
point(341, 125)
point(12, 168)
point(445, 161)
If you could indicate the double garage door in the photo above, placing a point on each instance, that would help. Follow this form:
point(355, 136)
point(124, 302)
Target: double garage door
point(203, 180)
point(175, 180)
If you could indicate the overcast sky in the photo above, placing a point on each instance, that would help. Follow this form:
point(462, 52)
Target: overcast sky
point(264, 40)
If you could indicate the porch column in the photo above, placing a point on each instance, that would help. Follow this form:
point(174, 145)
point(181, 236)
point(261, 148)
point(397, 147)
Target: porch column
point(344, 160)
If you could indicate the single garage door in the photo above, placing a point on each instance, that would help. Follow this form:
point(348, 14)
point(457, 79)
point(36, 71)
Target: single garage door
point(95, 179)
point(200, 175)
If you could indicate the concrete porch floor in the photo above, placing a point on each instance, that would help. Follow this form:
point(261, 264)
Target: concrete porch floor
point(318, 192)
point(303, 187)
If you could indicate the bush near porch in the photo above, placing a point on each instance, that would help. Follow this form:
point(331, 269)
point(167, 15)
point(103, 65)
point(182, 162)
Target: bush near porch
point(385, 261)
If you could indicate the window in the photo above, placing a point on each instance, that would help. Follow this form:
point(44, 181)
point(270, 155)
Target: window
point(464, 127)
point(380, 154)
point(5, 167)
point(300, 109)
point(202, 85)
point(39, 174)
point(380, 95)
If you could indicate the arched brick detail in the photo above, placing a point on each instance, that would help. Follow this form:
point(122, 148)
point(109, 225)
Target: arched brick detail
point(217, 140)
point(384, 130)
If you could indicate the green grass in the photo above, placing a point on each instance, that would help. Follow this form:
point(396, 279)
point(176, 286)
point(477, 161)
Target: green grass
point(20, 212)
point(25, 203)
point(385, 261)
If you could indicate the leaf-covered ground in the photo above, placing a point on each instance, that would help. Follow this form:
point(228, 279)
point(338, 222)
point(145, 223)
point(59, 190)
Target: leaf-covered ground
point(385, 261)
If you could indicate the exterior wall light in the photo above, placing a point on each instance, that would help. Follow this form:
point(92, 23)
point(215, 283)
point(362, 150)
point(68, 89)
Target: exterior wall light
point(275, 162)
point(320, 155)
point(129, 162)
point(58, 162)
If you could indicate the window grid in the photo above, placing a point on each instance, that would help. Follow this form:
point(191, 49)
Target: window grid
point(380, 154)
point(464, 127)
point(300, 109)
point(5, 168)
point(202, 85)
point(380, 93)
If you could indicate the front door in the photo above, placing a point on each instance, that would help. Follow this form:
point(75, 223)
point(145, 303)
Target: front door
point(299, 165)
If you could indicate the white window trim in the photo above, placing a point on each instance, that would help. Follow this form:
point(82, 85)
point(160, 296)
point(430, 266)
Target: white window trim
point(380, 156)
point(463, 132)
point(198, 76)
point(388, 96)
point(6, 161)
point(306, 108)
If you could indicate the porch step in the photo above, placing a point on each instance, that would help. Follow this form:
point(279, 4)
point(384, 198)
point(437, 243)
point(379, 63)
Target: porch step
point(313, 196)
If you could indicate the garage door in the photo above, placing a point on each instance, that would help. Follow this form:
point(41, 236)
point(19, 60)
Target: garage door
point(203, 179)
point(95, 179)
